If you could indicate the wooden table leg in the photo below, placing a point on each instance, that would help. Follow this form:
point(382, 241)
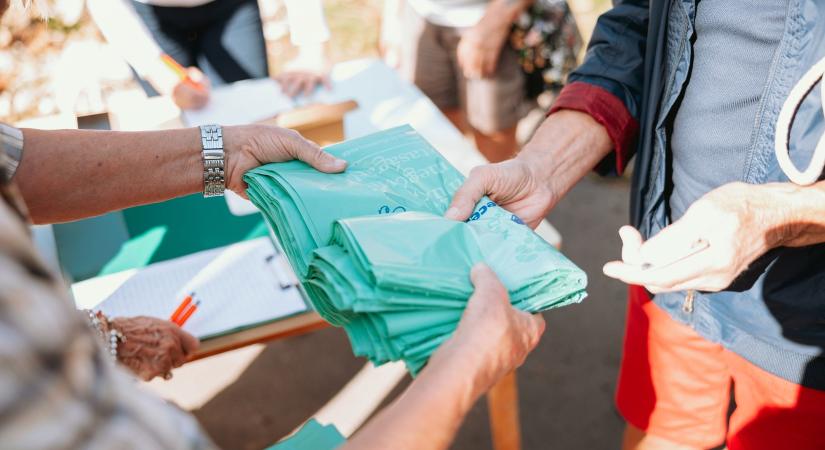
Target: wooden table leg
point(502, 404)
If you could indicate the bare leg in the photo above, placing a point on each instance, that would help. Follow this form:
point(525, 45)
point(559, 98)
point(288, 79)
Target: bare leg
point(498, 146)
point(636, 439)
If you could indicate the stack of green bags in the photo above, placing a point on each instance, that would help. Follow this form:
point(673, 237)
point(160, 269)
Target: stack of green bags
point(375, 255)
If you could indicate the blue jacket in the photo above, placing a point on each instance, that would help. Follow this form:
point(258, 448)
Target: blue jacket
point(774, 313)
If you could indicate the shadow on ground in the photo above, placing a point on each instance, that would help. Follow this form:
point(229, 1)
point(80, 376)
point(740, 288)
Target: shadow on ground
point(566, 386)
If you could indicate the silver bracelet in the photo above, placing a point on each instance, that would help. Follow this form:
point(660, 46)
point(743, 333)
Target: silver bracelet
point(95, 322)
point(214, 181)
point(114, 337)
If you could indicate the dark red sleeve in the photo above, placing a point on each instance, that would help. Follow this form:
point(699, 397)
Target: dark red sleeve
point(609, 111)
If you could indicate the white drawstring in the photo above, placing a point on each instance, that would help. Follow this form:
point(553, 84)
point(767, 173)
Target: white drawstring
point(783, 128)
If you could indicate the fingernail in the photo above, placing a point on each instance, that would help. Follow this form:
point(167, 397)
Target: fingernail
point(337, 164)
point(452, 213)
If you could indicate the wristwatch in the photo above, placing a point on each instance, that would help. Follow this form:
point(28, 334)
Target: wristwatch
point(214, 182)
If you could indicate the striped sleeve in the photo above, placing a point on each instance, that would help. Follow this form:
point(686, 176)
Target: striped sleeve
point(11, 151)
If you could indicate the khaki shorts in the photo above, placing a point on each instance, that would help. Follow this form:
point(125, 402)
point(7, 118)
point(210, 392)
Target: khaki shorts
point(428, 59)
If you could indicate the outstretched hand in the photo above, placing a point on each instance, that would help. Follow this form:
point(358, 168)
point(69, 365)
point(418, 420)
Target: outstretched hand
point(512, 184)
point(708, 247)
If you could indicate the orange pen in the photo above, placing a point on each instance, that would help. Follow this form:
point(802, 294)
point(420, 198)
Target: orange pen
point(187, 314)
point(180, 72)
point(186, 301)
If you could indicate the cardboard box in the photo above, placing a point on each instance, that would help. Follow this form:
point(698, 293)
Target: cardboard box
point(320, 123)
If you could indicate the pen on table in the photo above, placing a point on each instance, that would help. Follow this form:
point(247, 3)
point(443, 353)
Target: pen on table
point(180, 71)
point(186, 301)
point(182, 321)
point(184, 310)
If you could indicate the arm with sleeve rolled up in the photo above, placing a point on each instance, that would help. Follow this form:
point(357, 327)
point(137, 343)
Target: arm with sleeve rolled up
point(594, 117)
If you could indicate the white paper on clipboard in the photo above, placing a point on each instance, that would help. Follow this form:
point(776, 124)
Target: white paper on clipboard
point(239, 286)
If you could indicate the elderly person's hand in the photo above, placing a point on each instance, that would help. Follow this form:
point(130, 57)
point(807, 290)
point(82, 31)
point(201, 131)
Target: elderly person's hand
point(717, 238)
point(493, 338)
point(249, 146)
point(187, 95)
point(564, 148)
point(152, 347)
point(515, 185)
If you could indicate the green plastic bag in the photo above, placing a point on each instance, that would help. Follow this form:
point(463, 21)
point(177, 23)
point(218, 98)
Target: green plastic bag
point(312, 436)
point(376, 256)
point(389, 172)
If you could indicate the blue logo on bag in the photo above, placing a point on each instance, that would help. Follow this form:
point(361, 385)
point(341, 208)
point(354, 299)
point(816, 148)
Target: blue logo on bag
point(385, 209)
point(481, 211)
point(486, 207)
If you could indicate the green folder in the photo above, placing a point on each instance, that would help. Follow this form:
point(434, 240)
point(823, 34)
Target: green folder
point(376, 256)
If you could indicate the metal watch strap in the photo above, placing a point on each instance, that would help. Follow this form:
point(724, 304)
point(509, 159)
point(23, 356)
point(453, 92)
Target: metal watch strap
point(214, 181)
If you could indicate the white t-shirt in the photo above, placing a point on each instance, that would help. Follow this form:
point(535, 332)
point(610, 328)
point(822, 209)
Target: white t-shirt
point(450, 13)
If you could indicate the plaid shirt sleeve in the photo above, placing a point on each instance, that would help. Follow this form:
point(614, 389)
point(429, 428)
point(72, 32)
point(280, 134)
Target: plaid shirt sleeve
point(11, 151)
point(58, 387)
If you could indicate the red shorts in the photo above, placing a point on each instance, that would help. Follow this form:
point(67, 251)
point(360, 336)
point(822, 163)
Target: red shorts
point(676, 385)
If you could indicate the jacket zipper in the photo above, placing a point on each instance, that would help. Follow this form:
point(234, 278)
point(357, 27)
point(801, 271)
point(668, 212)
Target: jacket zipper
point(687, 306)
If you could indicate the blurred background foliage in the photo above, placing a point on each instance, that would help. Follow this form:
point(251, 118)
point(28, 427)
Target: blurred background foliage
point(61, 64)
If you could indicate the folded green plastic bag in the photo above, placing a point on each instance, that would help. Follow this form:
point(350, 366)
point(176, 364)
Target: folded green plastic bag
point(376, 256)
point(388, 172)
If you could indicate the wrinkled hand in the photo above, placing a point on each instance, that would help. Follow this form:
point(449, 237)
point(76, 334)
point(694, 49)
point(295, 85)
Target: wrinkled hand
point(188, 96)
point(296, 82)
point(249, 146)
point(493, 338)
point(738, 222)
point(479, 48)
point(513, 184)
point(153, 347)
